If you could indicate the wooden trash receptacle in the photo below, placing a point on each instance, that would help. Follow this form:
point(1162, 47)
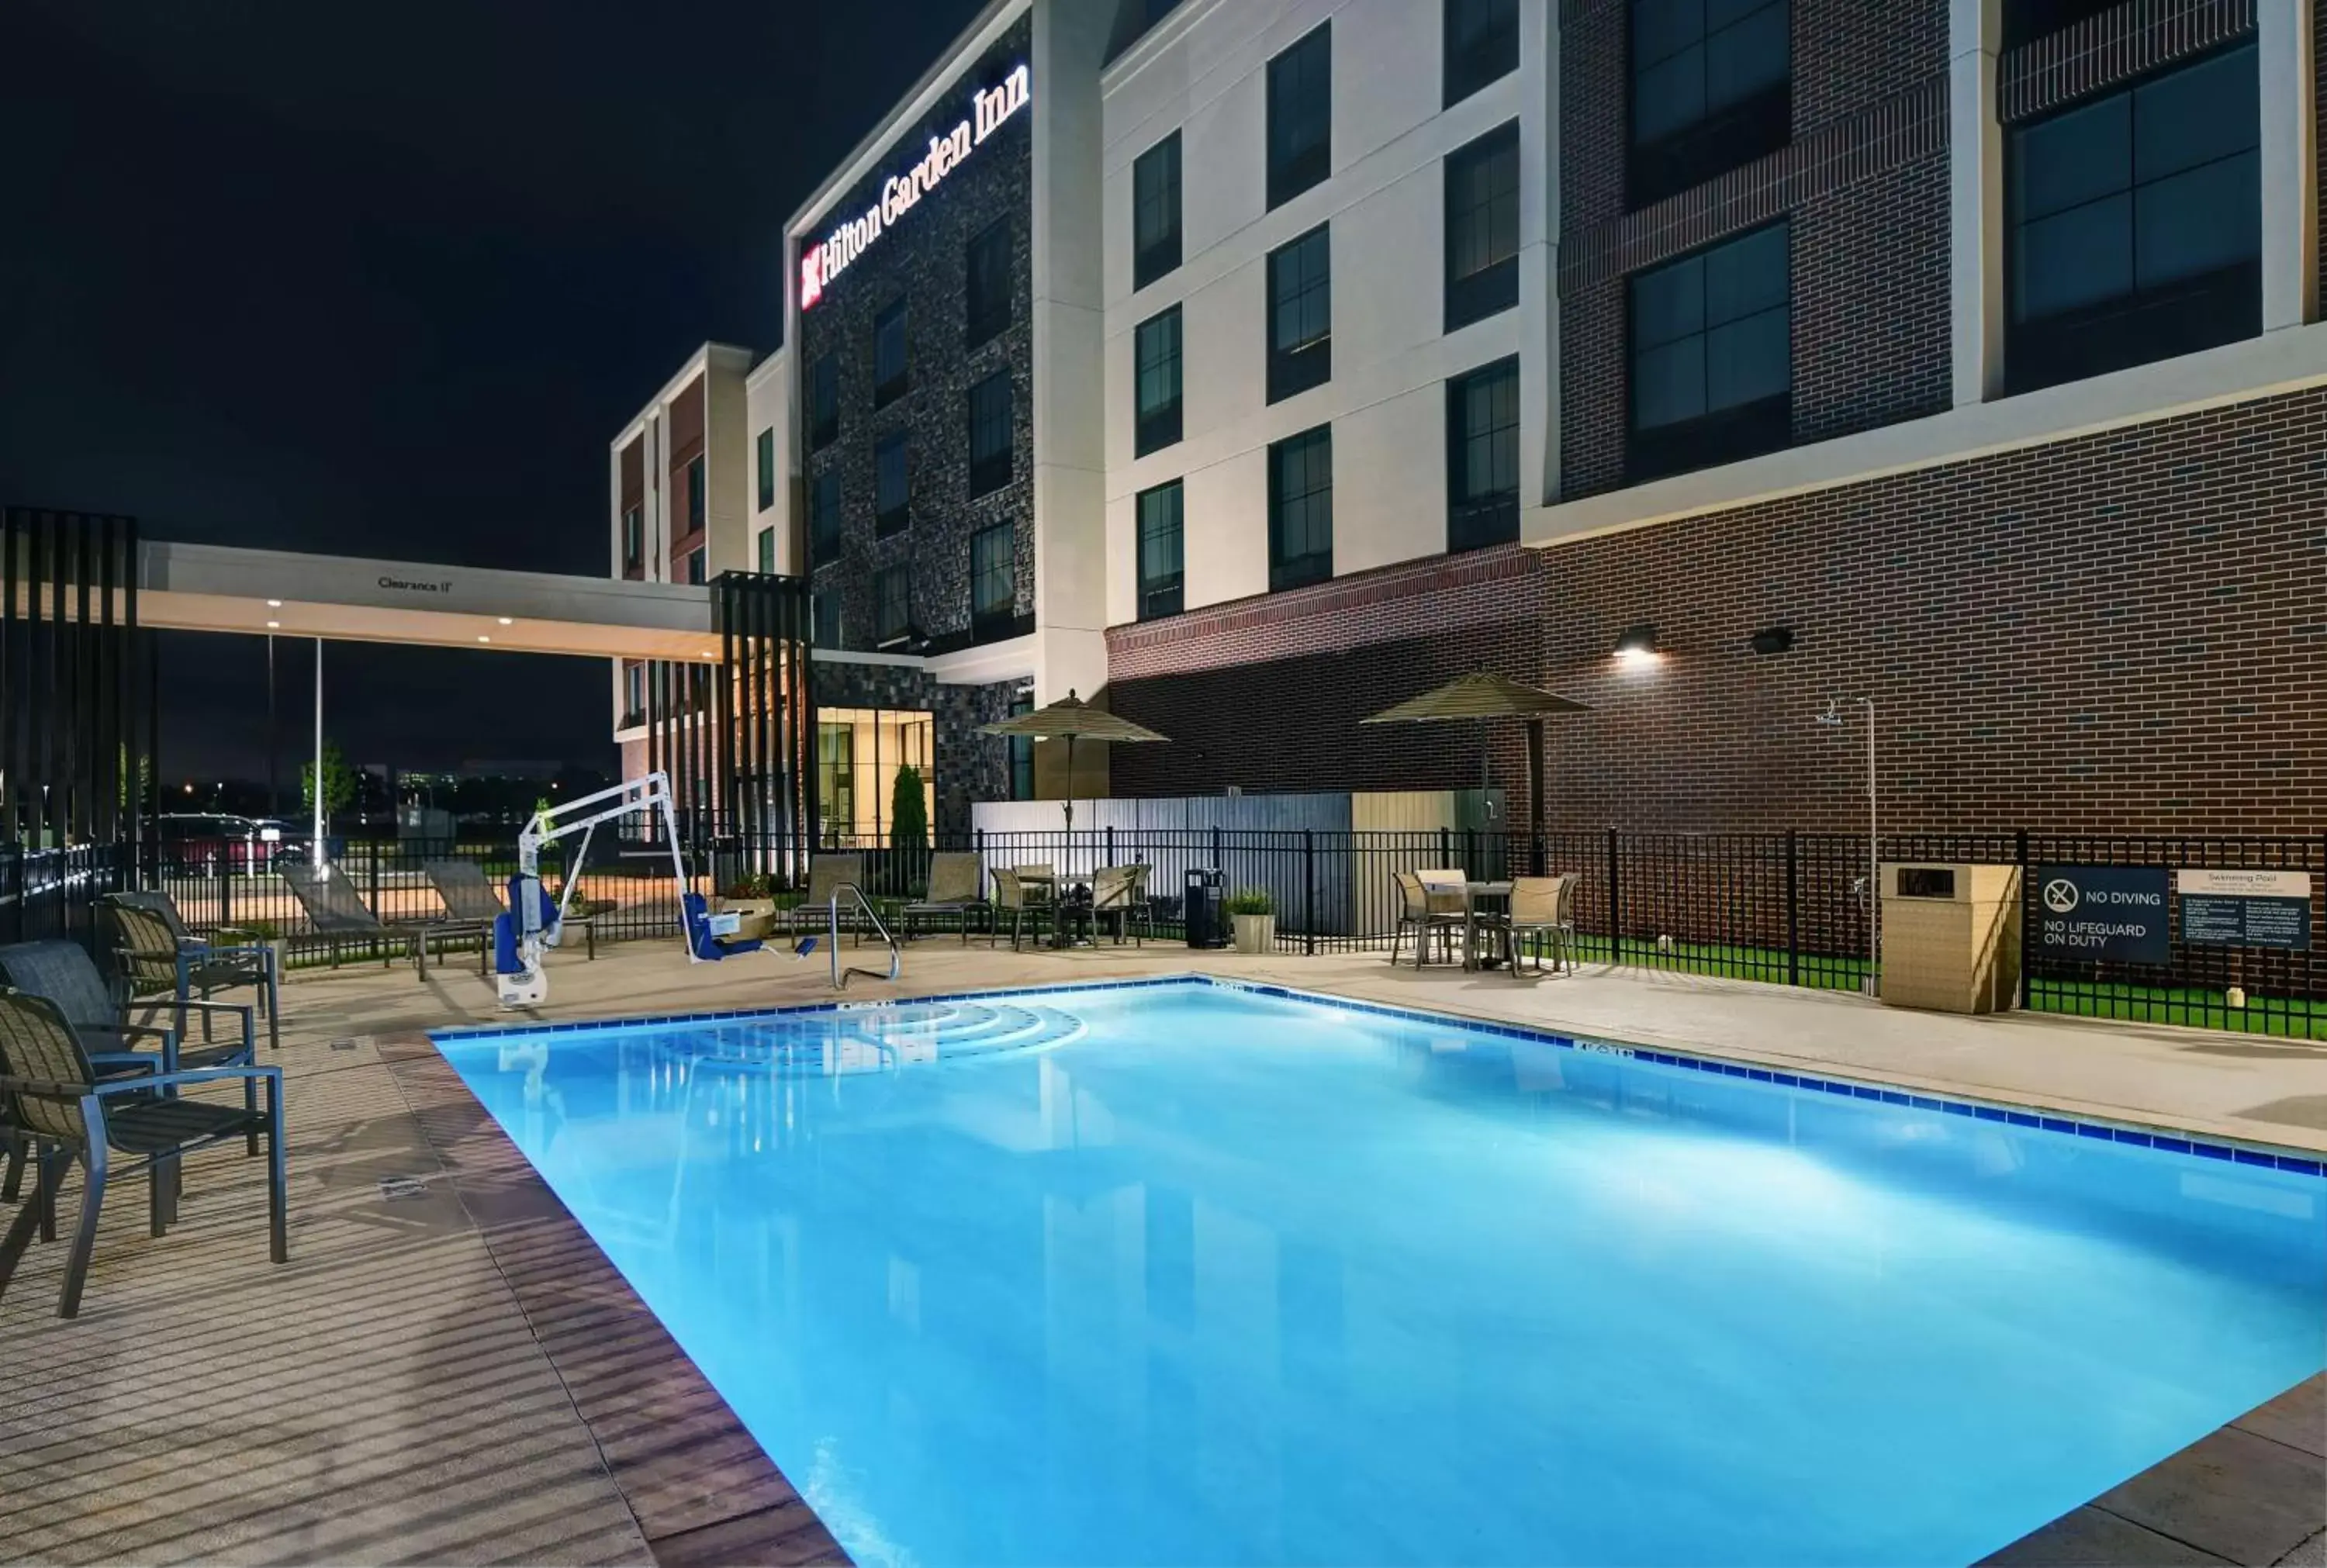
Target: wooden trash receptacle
point(1951, 937)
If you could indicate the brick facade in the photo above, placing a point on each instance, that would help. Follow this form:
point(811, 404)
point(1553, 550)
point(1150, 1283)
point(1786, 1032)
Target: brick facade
point(1864, 182)
point(2125, 632)
point(923, 261)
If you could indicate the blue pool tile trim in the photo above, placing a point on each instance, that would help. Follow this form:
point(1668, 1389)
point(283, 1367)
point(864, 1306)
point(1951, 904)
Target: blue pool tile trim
point(2264, 1158)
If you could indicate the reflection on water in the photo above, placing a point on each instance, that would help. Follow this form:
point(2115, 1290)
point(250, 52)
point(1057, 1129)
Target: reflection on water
point(1181, 1275)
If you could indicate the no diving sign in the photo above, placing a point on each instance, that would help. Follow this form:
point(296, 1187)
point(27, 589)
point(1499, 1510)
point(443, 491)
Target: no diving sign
point(2115, 913)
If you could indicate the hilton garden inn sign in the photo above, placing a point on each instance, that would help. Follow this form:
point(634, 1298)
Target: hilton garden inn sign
point(899, 193)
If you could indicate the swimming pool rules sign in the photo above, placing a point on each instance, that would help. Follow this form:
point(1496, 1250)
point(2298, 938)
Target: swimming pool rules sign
point(2246, 909)
point(2103, 913)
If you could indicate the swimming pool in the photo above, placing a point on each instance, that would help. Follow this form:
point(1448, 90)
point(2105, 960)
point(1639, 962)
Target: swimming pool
point(1189, 1273)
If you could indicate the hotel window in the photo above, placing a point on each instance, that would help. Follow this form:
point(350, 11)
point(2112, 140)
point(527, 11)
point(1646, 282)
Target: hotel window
point(1482, 457)
point(858, 754)
point(1022, 751)
point(1300, 315)
point(634, 696)
point(889, 361)
point(1482, 227)
point(1160, 567)
point(824, 615)
point(892, 603)
point(988, 286)
point(1155, 211)
point(1711, 357)
point(2136, 225)
point(2025, 21)
point(766, 446)
point(994, 580)
point(767, 551)
point(892, 491)
point(695, 567)
point(634, 540)
point(824, 516)
point(1301, 509)
point(1482, 44)
point(1711, 89)
point(990, 433)
point(1301, 116)
point(695, 497)
point(1156, 351)
point(823, 402)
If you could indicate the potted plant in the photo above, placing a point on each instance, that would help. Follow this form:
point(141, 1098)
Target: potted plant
point(1253, 911)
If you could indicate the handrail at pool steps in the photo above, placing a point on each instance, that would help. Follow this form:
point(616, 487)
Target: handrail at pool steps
point(896, 956)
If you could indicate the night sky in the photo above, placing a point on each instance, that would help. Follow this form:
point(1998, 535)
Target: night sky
point(387, 281)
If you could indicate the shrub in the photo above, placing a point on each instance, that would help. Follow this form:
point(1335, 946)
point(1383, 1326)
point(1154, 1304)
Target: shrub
point(1251, 901)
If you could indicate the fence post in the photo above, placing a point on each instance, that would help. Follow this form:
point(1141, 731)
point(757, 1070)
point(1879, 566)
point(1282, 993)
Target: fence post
point(225, 891)
point(1615, 905)
point(1110, 844)
point(2020, 849)
point(374, 880)
point(1309, 890)
point(1445, 848)
point(1216, 848)
point(1793, 913)
point(16, 885)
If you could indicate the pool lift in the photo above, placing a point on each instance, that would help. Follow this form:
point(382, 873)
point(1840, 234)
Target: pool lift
point(534, 921)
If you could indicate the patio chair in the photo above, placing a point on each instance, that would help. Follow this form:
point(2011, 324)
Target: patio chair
point(471, 901)
point(1014, 896)
point(1541, 906)
point(1118, 893)
point(827, 875)
point(1426, 909)
point(58, 1099)
point(336, 912)
point(955, 888)
point(155, 956)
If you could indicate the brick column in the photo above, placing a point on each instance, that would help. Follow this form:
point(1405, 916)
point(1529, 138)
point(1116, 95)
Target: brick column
point(1976, 200)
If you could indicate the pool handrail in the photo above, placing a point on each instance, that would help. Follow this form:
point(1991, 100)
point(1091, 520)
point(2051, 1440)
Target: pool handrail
point(896, 956)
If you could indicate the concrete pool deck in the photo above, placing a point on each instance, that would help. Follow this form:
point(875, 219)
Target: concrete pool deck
point(449, 1371)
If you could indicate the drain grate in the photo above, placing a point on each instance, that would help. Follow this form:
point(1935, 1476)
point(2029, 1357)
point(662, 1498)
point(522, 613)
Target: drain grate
point(345, 1042)
point(393, 1189)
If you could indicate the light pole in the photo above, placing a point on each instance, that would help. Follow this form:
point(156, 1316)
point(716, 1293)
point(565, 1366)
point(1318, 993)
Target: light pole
point(273, 794)
point(1833, 715)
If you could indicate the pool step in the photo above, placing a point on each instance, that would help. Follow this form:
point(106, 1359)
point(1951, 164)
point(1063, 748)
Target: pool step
point(873, 1039)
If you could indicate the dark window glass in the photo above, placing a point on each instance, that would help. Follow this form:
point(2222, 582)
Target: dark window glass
point(1712, 356)
point(1300, 314)
point(993, 580)
point(1156, 356)
point(1482, 457)
point(824, 606)
point(1301, 509)
point(892, 491)
point(2136, 225)
point(766, 549)
point(696, 498)
point(695, 567)
point(888, 353)
point(892, 603)
point(1301, 116)
point(1482, 227)
point(1021, 752)
point(1155, 211)
point(1482, 44)
point(1160, 569)
point(824, 516)
point(634, 696)
point(634, 540)
point(767, 460)
point(990, 433)
point(2025, 21)
point(823, 402)
point(1711, 89)
point(988, 286)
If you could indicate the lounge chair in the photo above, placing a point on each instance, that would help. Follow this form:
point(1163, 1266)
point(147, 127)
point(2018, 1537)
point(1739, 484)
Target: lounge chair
point(57, 1099)
point(336, 912)
point(1541, 906)
point(1428, 902)
point(1119, 893)
point(955, 888)
point(1013, 895)
point(471, 901)
point(826, 875)
point(156, 956)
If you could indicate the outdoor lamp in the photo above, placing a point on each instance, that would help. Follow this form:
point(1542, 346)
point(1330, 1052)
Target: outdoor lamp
point(1638, 645)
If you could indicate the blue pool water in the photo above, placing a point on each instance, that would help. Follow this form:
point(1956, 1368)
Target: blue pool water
point(1187, 1275)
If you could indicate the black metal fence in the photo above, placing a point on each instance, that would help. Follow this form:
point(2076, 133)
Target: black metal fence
point(47, 893)
point(1785, 908)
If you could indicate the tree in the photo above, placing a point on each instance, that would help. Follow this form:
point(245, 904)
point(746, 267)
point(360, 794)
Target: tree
point(338, 782)
point(908, 814)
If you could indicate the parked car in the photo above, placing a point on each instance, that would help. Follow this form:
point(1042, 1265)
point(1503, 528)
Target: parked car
point(216, 845)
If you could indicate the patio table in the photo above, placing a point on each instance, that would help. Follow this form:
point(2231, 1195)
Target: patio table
point(1475, 893)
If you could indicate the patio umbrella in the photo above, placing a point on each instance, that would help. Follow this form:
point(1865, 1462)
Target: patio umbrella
point(1484, 697)
point(1070, 719)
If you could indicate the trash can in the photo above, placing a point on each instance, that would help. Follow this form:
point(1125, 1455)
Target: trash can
point(1200, 907)
point(1951, 937)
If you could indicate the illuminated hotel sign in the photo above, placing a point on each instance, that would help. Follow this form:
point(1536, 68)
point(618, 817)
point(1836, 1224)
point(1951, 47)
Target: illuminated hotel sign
point(988, 112)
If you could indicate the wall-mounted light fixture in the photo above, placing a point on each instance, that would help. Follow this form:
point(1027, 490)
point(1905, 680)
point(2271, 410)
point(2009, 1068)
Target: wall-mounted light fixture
point(1638, 645)
point(1772, 639)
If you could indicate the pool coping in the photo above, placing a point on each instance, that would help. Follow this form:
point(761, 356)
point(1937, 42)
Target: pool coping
point(2201, 1500)
point(2165, 1136)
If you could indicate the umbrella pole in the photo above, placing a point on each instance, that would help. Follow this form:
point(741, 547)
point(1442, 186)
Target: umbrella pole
point(1535, 796)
